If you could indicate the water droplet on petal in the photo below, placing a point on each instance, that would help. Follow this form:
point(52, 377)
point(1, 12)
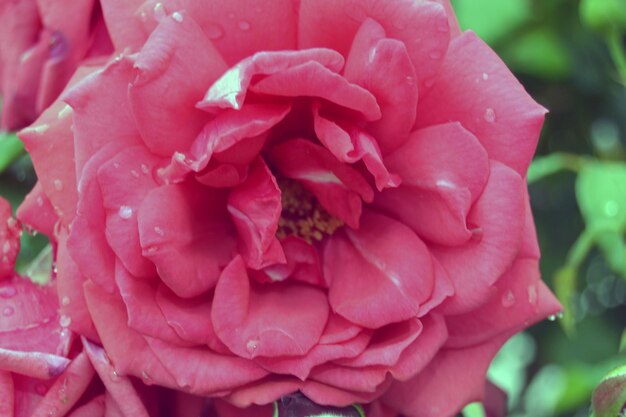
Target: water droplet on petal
point(125, 212)
point(252, 345)
point(508, 299)
point(243, 25)
point(159, 11)
point(145, 169)
point(559, 315)
point(65, 321)
point(65, 301)
point(65, 111)
point(58, 184)
point(145, 376)
point(214, 31)
point(485, 76)
point(116, 164)
point(177, 17)
point(134, 173)
point(552, 317)
point(532, 294)
point(159, 231)
point(6, 247)
point(8, 311)
point(114, 376)
point(490, 115)
point(39, 201)
point(7, 292)
point(53, 411)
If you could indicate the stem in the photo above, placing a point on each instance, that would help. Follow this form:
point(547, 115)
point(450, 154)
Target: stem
point(10, 149)
point(553, 163)
point(614, 42)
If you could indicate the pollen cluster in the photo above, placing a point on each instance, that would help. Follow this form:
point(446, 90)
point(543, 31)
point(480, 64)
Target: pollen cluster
point(302, 215)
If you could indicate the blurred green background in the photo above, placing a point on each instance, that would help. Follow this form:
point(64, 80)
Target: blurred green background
point(570, 56)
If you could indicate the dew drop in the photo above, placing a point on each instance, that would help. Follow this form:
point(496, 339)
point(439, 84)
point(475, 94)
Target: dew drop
point(65, 301)
point(252, 345)
point(552, 317)
point(114, 376)
point(559, 315)
point(145, 169)
point(58, 184)
point(434, 54)
point(39, 201)
point(159, 231)
point(6, 248)
point(7, 292)
point(53, 412)
point(508, 299)
point(490, 115)
point(65, 321)
point(214, 31)
point(159, 11)
point(243, 25)
point(145, 376)
point(65, 111)
point(177, 17)
point(8, 311)
point(125, 212)
point(532, 294)
point(11, 222)
point(485, 76)
point(134, 173)
point(116, 164)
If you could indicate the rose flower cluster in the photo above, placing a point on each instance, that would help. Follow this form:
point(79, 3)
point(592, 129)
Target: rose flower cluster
point(325, 197)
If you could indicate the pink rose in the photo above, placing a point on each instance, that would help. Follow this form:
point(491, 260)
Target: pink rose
point(319, 196)
point(41, 45)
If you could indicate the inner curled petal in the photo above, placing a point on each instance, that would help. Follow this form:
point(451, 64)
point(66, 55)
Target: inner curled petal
point(302, 215)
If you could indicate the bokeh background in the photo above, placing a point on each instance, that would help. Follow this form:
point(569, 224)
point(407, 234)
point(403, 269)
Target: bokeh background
point(571, 57)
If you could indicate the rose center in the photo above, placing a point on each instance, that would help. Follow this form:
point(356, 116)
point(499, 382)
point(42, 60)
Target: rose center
point(303, 215)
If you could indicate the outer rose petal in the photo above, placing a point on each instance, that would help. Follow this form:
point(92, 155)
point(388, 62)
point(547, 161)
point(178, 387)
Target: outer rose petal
point(452, 379)
point(10, 231)
point(378, 274)
point(254, 320)
point(475, 88)
point(520, 294)
point(476, 266)
point(333, 24)
point(37, 212)
point(172, 56)
point(125, 29)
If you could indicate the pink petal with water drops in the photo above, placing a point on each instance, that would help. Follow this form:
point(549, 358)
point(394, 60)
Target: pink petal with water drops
point(10, 232)
point(36, 212)
point(266, 320)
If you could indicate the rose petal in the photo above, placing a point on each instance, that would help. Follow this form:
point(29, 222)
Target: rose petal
point(271, 320)
point(383, 67)
point(121, 389)
point(123, 25)
point(438, 186)
point(102, 115)
point(204, 372)
point(351, 145)
point(254, 209)
point(520, 298)
point(312, 79)
point(324, 394)
point(184, 231)
point(378, 274)
point(229, 92)
point(36, 212)
point(263, 392)
point(333, 24)
point(168, 66)
point(475, 88)
point(7, 406)
point(226, 410)
point(94, 408)
point(67, 389)
point(33, 364)
point(10, 231)
point(124, 183)
point(474, 267)
point(454, 378)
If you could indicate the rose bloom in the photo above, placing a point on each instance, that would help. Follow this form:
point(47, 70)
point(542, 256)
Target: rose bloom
point(41, 45)
point(320, 196)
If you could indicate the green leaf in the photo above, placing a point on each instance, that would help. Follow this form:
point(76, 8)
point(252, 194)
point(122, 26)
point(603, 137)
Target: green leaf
point(601, 195)
point(10, 149)
point(609, 397)
point(474, 410)
point(492, 19)
point(603, 15)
